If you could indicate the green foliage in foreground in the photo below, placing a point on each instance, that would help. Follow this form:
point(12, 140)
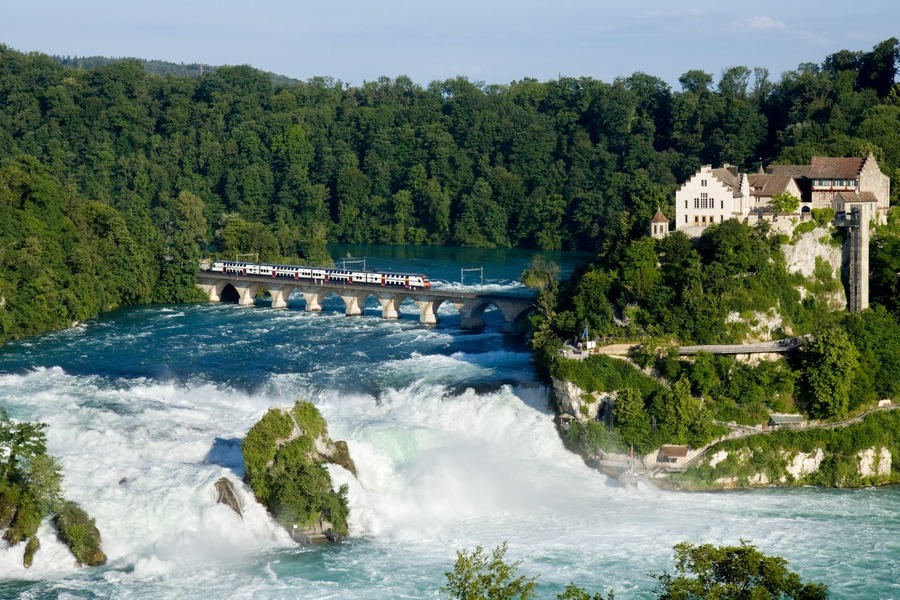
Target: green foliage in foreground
point(726, 572)
point(287, 474)
point(30, 491)
point(477, 575)
point(701, 571)
point(770, 454)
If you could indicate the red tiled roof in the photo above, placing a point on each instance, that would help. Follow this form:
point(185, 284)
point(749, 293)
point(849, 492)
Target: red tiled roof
point(674, 451)
point(854, 197)
point(788, 170)
point(768, 185)
point(659, 217)
point(827, 167)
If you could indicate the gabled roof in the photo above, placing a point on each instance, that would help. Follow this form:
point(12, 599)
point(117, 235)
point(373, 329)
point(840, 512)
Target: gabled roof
point(659, 217)
point(674, 451)
point(827, 167)
point(854, 197)
point(788, 170)
point(768, 185)
point(727, 176)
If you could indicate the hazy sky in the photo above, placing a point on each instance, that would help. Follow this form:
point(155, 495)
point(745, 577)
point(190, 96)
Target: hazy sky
point(495, 41)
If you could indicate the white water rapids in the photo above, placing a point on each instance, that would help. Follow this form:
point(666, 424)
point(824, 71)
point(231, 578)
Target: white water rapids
point(441, 468)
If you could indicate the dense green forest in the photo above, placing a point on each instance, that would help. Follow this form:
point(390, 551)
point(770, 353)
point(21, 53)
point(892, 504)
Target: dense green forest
point(114, 181)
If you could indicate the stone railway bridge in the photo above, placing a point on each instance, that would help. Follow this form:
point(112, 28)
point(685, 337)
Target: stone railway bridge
point(471, 305)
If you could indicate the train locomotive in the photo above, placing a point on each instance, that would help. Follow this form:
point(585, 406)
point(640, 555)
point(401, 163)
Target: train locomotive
point(323, 275)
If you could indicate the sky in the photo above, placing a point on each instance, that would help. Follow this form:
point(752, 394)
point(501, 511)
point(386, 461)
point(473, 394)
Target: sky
point(490, 41)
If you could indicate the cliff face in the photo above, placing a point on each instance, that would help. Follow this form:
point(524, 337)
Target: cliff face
point(802, 255)
point(571, 399)
point(746, 467)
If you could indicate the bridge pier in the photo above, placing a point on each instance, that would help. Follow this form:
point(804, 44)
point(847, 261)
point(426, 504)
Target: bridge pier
point(279, 294)
point(313, 301)
point(212, 290)
point(511, 326)
point(470, 317)
point(246, 293)
point(390, 306)
point(427, 311)
point(355, 304)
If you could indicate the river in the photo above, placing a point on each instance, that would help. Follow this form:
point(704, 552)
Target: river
point(452, 437)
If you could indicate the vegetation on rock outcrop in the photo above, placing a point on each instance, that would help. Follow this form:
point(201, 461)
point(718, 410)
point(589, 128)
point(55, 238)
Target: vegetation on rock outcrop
point(30, 492)
point(284, 456)
point(841, 462)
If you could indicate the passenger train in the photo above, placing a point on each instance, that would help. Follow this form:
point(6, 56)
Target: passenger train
point(323, 275)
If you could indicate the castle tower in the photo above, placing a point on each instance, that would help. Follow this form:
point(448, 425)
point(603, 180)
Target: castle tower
point(659, 225)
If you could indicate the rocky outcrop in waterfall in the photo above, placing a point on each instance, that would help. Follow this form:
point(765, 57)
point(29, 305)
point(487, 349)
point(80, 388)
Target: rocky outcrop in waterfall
point(285, 455)
point(572, 400)
point(226, 494)
point(77, 530)
point(30, 491)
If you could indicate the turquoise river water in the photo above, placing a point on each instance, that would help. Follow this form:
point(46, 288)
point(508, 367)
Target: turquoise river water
point(452, 436)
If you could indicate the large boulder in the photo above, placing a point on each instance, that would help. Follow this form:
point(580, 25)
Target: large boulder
point(226, 494)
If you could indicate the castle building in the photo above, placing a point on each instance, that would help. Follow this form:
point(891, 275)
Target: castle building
point(713, 195)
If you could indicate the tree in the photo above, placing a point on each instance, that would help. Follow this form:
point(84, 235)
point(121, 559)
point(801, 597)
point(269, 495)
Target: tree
point(540, 273)
point(631, 420)
point(830, 361)
point(573, 592)
point(479, 576)
point(784, 203)
point(733, 572)
point(184, 226)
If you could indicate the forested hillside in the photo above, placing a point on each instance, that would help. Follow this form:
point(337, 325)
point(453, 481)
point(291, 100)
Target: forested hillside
point(138, 175)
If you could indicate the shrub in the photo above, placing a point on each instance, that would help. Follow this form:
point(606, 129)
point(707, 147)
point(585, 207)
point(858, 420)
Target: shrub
point(77, 530)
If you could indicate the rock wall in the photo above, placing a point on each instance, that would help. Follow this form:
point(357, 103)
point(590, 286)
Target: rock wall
point(801, 255)
point(584, 406)
point(873, 466)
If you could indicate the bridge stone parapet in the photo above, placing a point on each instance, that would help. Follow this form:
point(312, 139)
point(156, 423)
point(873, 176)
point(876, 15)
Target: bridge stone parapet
point(471, 305)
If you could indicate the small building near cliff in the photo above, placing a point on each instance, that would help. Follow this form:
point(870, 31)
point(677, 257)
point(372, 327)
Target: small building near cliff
point(672, 455)
point(786, 421)
point(564, 421)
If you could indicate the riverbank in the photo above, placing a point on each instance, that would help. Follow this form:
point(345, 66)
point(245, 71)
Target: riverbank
point(859, 452)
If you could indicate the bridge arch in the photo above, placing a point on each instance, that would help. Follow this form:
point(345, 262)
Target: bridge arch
point(471, 313)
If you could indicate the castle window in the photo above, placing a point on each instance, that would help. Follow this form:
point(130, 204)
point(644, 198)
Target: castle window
point(696, 202)
point(722, 204)
point(685, 203)
point(702, 183)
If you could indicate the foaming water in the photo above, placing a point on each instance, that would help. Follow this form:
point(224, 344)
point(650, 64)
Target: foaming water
point(454, 445)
